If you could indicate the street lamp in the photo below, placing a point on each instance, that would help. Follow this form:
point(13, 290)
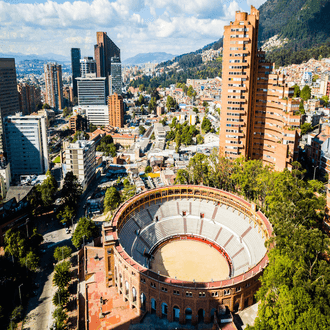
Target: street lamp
point(19, 291)
point(27, 229)
point(315, 167)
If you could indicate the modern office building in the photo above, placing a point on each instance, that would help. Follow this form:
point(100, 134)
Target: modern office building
point(75, 67)
point(95, 114)
point(87, 66)
point(259, 119)
point(53, 85)
point(104, 50)
point(26, 144)
point(80, 159)
point(115, 83)
point(116, 110)
point(91, 90)
point(9, 103)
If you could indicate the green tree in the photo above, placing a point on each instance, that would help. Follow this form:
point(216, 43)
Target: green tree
point(163, 121)
point(296, 91)
point(305, 128)
point(92, 127)
point(170, 136)
point(142, 88)
point(142, 130)
point(80, 135)
point(71, 190)
point(199, 169)
point(170, 103)
point(30, 260)
point(206, 125)
point(61, 297)
point(60, 317)
point(195, 110)
point(177, 142)
point(173, 123)
point(152, 105)
point(85, 229)
point(111, 199)
point(199, 139)
point(66, 214)
point(66, 112)
point(306, 93)
point(301, 107)
point(34, 199)
point(15, 243)
point(62, 275)
point(148, 169)
point(46, 106)
point(48, 189)
point(205, 104)
point(152, 137)
point(325, 99)
point(182, 177)
point(62, 252)
point(191, 92)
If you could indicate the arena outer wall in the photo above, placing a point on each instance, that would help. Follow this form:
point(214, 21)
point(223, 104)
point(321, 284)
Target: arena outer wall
point(133, 280)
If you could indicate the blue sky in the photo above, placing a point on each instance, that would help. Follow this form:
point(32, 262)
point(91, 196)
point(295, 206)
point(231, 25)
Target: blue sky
point(136, 26)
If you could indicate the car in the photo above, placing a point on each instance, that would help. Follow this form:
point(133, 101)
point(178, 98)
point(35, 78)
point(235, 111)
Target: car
point(67, 230)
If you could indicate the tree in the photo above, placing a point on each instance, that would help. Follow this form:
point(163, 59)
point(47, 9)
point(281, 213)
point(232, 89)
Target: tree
point(92, 127)
point(191, 92)
point(47, 106)
point(182, 177)
point(305, 128)
point(30, 260)
point(142, 88)
point(152, 137)
point(325, 99)
point(199, 169)
point(148, 169)
point(301, 107)
point(170, 136)
point(15, 243)
point(60, 317)
point(170, 103)
point(206, 125)
point(195, 110)
point(111, 199)
point(177, 142)
point(152, 105)
point(173, 123)
point(199, 139)
point(61, 297)
point(80, 135)
point(71, 190)
point(296, 91)
point(306, 93)
point(34, 198)
point(163, 121)
point(85, 229)
point(62, 274)
point(66, 112)
point(48, 189)
point(62, 252)
point(205, 104)
point(142, 130)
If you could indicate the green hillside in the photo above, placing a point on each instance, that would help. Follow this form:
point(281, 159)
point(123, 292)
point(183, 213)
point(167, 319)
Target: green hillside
point(304, 22)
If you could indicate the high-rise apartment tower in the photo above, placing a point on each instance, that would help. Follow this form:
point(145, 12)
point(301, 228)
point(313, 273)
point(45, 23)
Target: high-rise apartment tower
point(53, 84)
point(259, 118)
point(116, 110)
point(75, 67)
point(9, 104)
point(116, 85)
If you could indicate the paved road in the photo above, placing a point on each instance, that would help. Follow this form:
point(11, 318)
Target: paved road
point(40, 307)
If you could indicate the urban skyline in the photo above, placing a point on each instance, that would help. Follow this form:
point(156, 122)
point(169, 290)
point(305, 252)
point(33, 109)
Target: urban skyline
point(153, 26)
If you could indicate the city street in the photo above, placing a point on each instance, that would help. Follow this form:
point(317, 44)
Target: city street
point(40, 307)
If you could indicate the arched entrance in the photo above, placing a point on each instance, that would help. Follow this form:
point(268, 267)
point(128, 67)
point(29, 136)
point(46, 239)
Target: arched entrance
point(126, 288)
point(176, 313)
point(236, 307)
point(164, 310)
point(201, 314)
point(153, 305)
point(188, 315)
point(120, 282)
point(143, 301)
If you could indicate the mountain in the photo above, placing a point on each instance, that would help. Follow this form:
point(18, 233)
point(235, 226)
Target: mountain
point(304, 22)
point(19, 57)
point(148, 57)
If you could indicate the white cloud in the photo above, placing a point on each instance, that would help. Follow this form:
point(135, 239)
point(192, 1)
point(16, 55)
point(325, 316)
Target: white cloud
point(135, 25)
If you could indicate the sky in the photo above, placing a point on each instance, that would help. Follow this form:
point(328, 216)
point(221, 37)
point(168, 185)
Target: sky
point(136, 26)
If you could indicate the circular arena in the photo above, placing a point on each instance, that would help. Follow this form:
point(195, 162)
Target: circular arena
point(186, 252)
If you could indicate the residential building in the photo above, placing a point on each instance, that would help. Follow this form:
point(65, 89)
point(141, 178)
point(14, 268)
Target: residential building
point(96, 114)
point(91, 90)
point(80, 159)
point(325, 85)
point(87, 66)
point(75, 66)
point(78, 123)
point(116, 84)
point(124, 140)
point(259, 118)
point(53, 85)
point(28, 96)
point(26, 142)
point(307, 78)
point(116, 110)
point(9, 103)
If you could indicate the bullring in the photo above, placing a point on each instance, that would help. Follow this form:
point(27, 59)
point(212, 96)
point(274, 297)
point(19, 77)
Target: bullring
point(225, 223)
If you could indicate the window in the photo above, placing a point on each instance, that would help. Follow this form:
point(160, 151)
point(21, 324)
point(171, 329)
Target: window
point(176, 292)
point(202, 294)
point(188, 294)
point(153, 285)
point(164, 289)
point(226, 292)
point(215, 294)
point(238, 289)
